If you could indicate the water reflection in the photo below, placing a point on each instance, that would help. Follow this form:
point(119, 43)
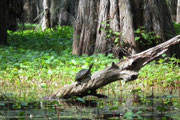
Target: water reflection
point(132, 106)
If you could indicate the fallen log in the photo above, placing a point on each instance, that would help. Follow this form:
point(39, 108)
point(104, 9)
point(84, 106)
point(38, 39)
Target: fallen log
point(127, 69)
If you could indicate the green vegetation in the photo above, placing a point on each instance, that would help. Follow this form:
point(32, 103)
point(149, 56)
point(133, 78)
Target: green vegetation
point(112, 35)
point(42, 61)
point(37, 63)
point(27, 26)
point(177, 28)
point(145, 39)
point(51, 40)
point(163, 75)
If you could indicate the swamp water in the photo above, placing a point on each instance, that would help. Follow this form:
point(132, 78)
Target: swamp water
point(128, 106)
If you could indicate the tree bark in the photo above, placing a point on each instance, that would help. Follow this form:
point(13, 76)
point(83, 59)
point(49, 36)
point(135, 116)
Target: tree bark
point(10, 11)
point(29, 11)
point(172, 5)
point(46, 18)
point(3, 21)
point(68, 12)
point(123, 16)
point(32, 11)
point(178, 12)
point(126, 69)
point(127, 25)
point(161, 23)
point(62, 12)
point(15, 10)
point(85, 33)
point(101, 44)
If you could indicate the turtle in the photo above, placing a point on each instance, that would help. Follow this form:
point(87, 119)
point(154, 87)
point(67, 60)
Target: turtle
point(83, 74)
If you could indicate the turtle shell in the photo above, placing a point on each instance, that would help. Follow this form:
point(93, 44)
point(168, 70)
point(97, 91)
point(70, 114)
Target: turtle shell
point(84, 73)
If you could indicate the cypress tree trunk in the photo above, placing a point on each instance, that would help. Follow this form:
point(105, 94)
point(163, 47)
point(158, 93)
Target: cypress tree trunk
point(32, 10)
point(125, 18)
point(101, 44)
point(10, 10)
point(127, 25)
point(46, 18)
point(172, 5)
point(62, 12)
point(178, 12)
point(15, 9)
point(68, 12)
point(85, 28)
point(3, 21)
point(29, 11)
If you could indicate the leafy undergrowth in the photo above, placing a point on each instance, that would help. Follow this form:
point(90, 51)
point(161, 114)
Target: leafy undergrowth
point(50, 40)
point(177, 28)
point(160, 77)
point(37, 63)
point(163, 76)
point(27, 26)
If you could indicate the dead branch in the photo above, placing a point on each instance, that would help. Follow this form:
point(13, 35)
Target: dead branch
point(126, 69)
